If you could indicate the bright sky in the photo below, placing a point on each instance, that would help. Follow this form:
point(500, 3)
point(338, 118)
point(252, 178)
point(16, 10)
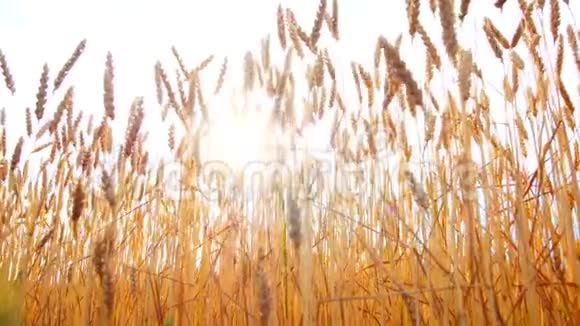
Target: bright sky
point(140, 32)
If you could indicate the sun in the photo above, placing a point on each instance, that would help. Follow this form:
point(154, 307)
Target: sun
point(237, 137)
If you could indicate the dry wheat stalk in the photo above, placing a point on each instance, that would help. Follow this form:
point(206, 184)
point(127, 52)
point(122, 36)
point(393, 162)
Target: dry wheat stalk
point(171, 137)
point(158, 85)
point(559, 57)
point(264, 293)
point(429, 126)
point(78, 202)
point(464, 9)
point(3, 144)
point(433, 6)
point(356, 78)
point(108, 188)
point(265, 53)
point(102, 256)
point(573, 43)
point(527, 10)
point(222, 76)
point(464, 78)
point(42, 93)
point(532, 45)
point(204, 63)
point(108, 85)
point(318, 70)
point(333, 26)
point(8, 79)
point(329, 65)
point(64, 105)
point(447, 19)
point(28, 122)
point(16, 155)
point(249, 72)
point(281, 24)
point(180, 90)
point(418, 193)
point(398, 69)
point(165, 81)
point(493, 41)
point(555, 19)
point(294, 220)
point(133, 125)
point(541, 3)
point(69, 64)
point(517, 61)
point(522, 134)
point(200, 98)
point(569, 105)
point(428, 67)
point(293, 33)
point(318, 21)
point(515, 79)
point(367, 80)
point(413, 10)
point(518, 33)
point(431, 49)
point(495, 33)
point(500, 3)
point(179, 60)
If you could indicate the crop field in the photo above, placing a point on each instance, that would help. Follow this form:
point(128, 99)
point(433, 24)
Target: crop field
point(357, 193)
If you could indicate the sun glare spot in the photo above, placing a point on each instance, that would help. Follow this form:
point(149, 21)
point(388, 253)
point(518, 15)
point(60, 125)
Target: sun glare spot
point(237, 137)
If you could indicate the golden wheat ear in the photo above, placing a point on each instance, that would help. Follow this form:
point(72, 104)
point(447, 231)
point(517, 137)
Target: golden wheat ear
point(447, 20)
point(318, 21)
point(222, 76)
point(41, 95)
point(8, 79)
point(281, 24)
point(66, 68)
point(108, 85)
point(413, 9)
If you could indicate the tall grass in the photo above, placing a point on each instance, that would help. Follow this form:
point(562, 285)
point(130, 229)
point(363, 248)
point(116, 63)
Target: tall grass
point(477, 236)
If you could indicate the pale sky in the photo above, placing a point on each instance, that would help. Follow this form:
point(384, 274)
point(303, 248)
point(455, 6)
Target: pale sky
point(140, 32)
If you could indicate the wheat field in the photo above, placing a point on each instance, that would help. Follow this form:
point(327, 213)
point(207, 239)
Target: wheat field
point(473, 223)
